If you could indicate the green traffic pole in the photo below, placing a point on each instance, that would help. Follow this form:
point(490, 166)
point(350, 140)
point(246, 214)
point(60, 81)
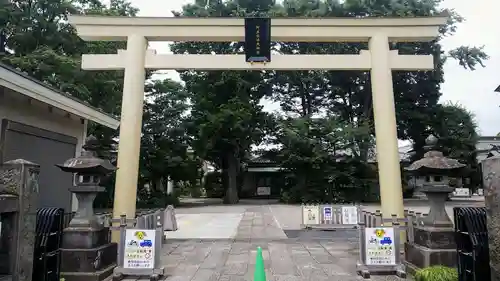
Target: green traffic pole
point(260, 272)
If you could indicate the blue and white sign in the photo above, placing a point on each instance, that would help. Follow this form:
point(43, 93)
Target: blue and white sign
point(327, 213)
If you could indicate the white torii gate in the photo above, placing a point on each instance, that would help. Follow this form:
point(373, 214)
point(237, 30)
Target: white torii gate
point(137, 31)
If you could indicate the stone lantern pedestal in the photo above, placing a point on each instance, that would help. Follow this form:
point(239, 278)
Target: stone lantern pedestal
point(433, 236)
point(87, 253)
point(84, 231)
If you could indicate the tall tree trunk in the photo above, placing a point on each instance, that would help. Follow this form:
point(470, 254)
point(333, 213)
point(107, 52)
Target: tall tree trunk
point(231, 177)
point(364, 149)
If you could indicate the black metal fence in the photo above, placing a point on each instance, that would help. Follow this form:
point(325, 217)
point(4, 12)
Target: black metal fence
point(471, 236)
point(50, 223)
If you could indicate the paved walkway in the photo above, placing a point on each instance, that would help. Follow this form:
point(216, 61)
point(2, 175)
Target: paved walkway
point(212, 257)
point(218, 243)
point(235, 261)
point(233, 258)
point(206, 226)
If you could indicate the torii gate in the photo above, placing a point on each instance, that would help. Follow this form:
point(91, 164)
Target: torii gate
point(378, 59)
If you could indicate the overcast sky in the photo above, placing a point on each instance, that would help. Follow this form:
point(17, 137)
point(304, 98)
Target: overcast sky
point(472, 89)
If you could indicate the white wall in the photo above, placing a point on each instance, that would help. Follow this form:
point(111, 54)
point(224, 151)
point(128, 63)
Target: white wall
point(16, 108)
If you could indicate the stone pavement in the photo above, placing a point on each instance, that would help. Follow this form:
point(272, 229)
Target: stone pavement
point(315, 256)
point(219, 243)
point(206, 226)
point(235, 260)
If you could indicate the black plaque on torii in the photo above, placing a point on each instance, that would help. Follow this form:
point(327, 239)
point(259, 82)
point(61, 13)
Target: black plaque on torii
point(258, 40)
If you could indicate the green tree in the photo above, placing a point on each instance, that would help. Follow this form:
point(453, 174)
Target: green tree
point(43, 44)
point(225, 114)
point(305, 94)
point(165, 142)
point(317, 152)
point(456, 130)
point(347, 94)
point(40, 42)
point(165, 154)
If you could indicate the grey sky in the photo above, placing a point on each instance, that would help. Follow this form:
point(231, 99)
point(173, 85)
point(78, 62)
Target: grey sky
point(472, 89)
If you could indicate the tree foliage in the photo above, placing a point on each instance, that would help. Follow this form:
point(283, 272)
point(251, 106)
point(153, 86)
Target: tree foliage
point(456, 130)
point(165, 143)
point(317, 152)
point(324, 133)
point(316, 104)
point(225, 116)
point(41, 42)
point(346, 95)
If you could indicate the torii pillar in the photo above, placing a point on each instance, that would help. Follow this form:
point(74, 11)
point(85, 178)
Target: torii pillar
point(130, 128)
point(386, 137)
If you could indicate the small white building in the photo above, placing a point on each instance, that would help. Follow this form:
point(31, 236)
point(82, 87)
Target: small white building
point(44, 126)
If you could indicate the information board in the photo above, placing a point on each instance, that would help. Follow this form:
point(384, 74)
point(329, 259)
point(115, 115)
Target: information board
point(139, 249)
point(379, 246)
point(349, 215)
point(310, 214)
point(263, 190)
point(327, 213)
point(462, 192)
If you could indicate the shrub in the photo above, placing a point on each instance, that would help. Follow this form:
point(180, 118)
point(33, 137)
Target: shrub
point(157, 199)
point(285, 197)
point(213, 185)
point(437, 273)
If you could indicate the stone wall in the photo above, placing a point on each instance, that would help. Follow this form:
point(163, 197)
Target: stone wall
point(18, 206)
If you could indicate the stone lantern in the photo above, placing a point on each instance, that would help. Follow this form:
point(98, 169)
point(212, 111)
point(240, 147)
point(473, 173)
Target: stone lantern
point(88, 170)
point(433, 240)
point(437, 170)
point(86, 249)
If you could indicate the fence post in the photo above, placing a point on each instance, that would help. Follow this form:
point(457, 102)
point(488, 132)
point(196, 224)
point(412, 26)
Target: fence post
point(170, 221)
point(410, 224)
point(121, 245)
point(400, 269)
point(141, 222)
point(361, 267)
point(379, 221)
